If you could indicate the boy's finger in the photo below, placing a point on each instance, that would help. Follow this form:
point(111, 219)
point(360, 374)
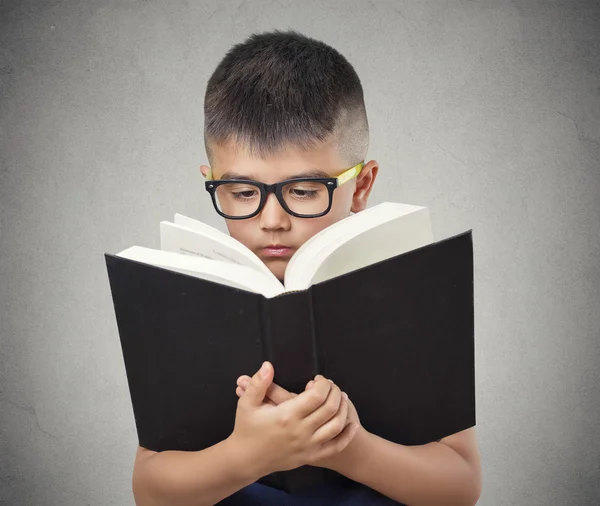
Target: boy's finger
point(339, 443)
point(332, 427)
point(240, 392)
point(308, 401)
point(330, 409)
point(243, 381)
point(279, 394)
point(275, 393)
point(259, 383)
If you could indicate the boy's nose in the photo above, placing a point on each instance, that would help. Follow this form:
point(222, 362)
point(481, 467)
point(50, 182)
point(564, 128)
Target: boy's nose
point(273, 216)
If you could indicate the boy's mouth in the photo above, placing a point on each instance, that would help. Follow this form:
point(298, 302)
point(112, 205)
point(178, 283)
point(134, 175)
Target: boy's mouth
point(277, 251)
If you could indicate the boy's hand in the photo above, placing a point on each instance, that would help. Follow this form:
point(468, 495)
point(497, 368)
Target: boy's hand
point(301, 430)
point(276, 395)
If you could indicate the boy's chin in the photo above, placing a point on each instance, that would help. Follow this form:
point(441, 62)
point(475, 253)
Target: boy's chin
point(277, 266)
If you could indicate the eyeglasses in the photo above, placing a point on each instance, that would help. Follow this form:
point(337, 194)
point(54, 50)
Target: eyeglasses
point(306, 197)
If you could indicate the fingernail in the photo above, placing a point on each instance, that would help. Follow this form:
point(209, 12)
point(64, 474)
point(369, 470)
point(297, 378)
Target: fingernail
point(245, 383)
point(345, 395)
point(264, 370)
point(330, 381)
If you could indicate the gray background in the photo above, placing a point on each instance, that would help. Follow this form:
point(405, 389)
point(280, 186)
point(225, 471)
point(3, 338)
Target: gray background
point(487, 112)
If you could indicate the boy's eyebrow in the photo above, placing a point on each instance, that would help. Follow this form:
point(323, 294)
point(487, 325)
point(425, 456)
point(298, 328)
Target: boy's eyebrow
point(309, 173)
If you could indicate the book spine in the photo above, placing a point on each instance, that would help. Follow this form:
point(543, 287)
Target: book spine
point(267, 335)
point(290, 343)
point(317, 362)
point(289, 340)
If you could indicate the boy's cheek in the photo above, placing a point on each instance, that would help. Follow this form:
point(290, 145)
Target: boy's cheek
point(233, 226)
point(244, 231)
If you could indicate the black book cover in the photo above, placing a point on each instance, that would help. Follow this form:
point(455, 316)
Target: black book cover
point(397, 336)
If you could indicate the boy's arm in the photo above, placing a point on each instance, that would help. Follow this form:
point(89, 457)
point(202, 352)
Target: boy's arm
point(197, 478)
point(445, 473)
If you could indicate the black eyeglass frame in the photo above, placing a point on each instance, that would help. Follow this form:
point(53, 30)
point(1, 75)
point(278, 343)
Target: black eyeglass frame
point(331, 183)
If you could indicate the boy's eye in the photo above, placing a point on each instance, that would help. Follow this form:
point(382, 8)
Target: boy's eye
point(305, 191)
point(299, 192)
point(246, 194)
point(241, 192)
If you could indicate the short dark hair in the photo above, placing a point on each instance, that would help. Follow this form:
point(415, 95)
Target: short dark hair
point(281, 87)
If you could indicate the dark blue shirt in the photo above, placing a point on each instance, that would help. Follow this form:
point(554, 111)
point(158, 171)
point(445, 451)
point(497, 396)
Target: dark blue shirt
point(344, 493)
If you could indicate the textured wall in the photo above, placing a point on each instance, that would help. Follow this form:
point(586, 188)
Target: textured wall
point(487, 112)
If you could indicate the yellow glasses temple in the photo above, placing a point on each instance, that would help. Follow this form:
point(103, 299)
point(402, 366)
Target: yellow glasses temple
point(350, 173)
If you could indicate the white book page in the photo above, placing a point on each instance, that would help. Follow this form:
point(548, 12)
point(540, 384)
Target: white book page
point(205, 241)
point(312, 249)
point(365, 238)
point(237, 276)
point(302, 266)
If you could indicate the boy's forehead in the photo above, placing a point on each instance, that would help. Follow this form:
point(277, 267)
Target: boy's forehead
point(290, 161)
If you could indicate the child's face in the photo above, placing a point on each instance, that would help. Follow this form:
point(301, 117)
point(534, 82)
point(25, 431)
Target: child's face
point(273, 226)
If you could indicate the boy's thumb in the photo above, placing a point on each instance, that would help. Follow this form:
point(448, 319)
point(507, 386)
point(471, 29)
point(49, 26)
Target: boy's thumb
point(259, 383)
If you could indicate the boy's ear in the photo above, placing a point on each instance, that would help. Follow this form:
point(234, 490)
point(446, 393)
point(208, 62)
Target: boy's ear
point(204, 169)
point(364, 185)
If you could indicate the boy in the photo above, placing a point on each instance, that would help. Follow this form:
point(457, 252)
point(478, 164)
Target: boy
point(287, 109)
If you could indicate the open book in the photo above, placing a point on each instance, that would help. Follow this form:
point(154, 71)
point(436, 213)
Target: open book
point(371, 302)
point(362, 239)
